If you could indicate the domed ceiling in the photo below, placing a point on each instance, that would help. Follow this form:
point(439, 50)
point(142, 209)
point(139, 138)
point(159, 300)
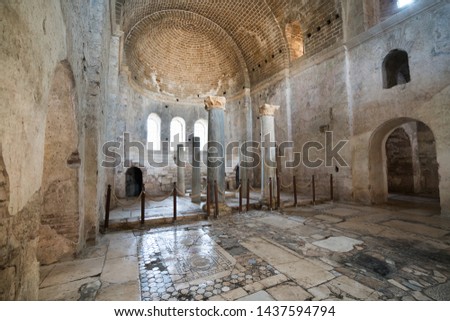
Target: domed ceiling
point(192, 48)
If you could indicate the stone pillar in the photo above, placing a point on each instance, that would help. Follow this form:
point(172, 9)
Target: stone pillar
point(268, 149)
point(196, 171)
point(181, 169)
point(216, 145)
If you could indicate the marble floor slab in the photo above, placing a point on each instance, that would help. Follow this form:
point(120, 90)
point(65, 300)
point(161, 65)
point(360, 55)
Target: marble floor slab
point(338, 244)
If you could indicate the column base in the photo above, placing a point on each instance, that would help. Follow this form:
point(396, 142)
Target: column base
point(224, 209)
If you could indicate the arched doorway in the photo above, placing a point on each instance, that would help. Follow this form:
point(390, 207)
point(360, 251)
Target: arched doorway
point(133, 182)
point(402, 159)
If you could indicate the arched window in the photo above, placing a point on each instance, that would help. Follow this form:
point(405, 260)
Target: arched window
point(154, 132)
point(201, 131)
point(177, 132)
point(396, 69)
point(294, 38)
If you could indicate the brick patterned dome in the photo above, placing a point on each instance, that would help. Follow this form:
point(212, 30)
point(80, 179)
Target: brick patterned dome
point(191, 48)
point(184, 55)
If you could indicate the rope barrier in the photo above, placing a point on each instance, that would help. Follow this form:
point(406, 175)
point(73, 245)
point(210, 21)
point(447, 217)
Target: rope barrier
point(121, 203)
point(221, 192)
point(286, 186)
point(162, 199)
point(196, 196)
point(307, 184)
point(180, 193)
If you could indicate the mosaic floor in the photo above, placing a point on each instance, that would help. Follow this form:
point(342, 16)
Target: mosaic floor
point(324, 252)
point(186, 264)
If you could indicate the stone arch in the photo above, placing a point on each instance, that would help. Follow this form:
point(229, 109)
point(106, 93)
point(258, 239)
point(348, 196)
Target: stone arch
point(60, 219)
point(378, 185)
point(133, 182)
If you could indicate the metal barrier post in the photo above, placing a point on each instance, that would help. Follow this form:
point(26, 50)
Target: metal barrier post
point(240, 196)
point(143, 204)
point(331, 188)
point(208, 200)
point(107, 206)
point(248, 195)
point(314, 189)
point(295, 191)
point(270, 193)
point(278, 192)
point(175, 201)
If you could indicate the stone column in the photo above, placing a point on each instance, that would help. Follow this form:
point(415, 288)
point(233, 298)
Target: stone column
point(181, 169)
point(196, 174)
point(216, 145)
point(268, 149)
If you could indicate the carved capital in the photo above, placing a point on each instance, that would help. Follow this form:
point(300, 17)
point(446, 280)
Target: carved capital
point(268, 110)
point(215, 102)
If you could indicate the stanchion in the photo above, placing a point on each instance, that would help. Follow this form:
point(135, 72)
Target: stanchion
point(208, 200)
point(107, 206)
point(143, 204)
point(331, 188)
point(314, 189)
point(270, 193)
point(216, 200)
point(175, 201)
point(295, 191)
point(278, 192)
point(240, 196)
point(248, 195)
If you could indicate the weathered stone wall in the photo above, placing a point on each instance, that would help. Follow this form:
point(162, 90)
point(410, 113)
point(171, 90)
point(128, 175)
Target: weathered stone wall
point(35, 37)
point(88, 43)
point(429, 171)
point(399, 162)
point(28, 29)
point(377, 111)
point(321, 105)
point(60, 219)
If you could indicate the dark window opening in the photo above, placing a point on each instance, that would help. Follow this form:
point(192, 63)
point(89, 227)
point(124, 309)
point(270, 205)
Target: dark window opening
point(396, 69)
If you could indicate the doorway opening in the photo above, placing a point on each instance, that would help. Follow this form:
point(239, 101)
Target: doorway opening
point(133, 182)
point(403, 163)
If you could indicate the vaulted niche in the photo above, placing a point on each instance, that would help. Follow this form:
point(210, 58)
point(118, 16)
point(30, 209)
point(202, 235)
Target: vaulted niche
point(396, 69)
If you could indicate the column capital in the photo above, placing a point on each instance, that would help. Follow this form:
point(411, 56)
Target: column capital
point(215, 102)
point(268, 110)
